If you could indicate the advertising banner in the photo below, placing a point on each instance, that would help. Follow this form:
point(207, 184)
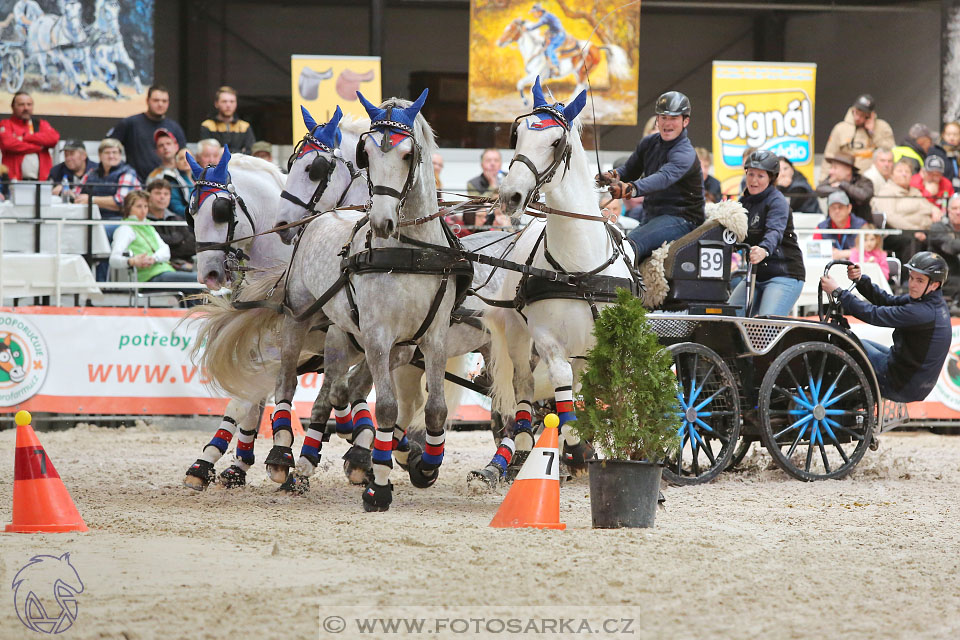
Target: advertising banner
point(762, 105)
point(320, 83)
point(566, 43)
point(97, 360)
point(77, 58)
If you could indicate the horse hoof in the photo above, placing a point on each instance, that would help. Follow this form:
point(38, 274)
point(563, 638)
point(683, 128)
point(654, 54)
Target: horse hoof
point(419, 477)
point(412, 450)
point(200, 474)
point(576, 457)
point(377, 497)
point(295, 484)
point(489, 476)
point(358, 465)
point(233, 476)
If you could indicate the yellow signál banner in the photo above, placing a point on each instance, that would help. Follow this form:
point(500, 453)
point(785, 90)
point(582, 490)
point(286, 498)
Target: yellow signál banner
point(320, 83)
point(568, 44)
point(762, 105)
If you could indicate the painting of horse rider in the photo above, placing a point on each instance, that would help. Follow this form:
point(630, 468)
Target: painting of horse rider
point(571, 45)
point(76, 57)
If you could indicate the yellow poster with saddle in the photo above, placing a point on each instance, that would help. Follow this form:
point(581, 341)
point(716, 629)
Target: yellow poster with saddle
point(762, 105)
point(321, 83)
point(571, 45)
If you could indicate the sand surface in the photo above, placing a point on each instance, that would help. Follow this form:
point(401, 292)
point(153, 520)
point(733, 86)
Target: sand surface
point(753, 555)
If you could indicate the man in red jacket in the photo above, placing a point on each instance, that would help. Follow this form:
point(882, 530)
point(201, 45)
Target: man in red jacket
point(25, 141)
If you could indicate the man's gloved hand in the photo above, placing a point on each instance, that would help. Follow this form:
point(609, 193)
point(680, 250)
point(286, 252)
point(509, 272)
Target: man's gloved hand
point(607, 177)
point(622, 190)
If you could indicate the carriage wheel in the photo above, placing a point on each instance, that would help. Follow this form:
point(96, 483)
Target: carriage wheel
point(743, 448)
point(710, 415)
point(817, 411)
point(13, 70)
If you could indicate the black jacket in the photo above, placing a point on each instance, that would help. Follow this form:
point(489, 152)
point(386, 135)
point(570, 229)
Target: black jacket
point(860, 191)
point(237, 134)
point(771, 228)
point(945, 241)
point(668, 175)
point(921, 335)
point(800, 195)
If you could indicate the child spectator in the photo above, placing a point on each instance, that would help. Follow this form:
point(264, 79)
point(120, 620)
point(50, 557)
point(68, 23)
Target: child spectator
point(870, 249)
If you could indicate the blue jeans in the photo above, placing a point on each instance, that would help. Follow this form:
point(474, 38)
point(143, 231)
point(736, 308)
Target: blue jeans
point(773, 297)
point(552, 46)
point(657, 230)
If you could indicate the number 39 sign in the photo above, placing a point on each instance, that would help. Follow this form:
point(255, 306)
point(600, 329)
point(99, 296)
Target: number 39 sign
point(711, 262)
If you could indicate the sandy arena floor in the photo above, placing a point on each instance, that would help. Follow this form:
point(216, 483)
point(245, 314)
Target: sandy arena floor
point(753, 555)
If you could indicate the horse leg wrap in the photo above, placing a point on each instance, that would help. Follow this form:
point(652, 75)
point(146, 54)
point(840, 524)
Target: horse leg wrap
point(401, 447)
point(245, 458)
point(220, 441)
point(433, 453)
point(382, 456)
point(282, 419)
point(312, 446)
point(344, 420)
point(564, 398)
point(522, 426)
point(361, 418)
point(204, 471)
point(503, 456)
point(423, 466)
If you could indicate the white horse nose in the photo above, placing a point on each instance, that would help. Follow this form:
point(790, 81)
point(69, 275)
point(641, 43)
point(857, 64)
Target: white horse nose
point(383, 228)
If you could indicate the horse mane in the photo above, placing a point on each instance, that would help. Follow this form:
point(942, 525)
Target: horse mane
point(252, 163)
point(351, 124)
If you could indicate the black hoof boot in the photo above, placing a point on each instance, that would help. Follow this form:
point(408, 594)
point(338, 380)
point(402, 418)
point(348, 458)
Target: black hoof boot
point(422, 475)
point(358, 465)
point(204, 472)
point(413, 449)
point(519, 457)
point(280, 457)
point(490, 475)
point(295, 484)
point(377, 497)
point(576, 457)
point(233, 476)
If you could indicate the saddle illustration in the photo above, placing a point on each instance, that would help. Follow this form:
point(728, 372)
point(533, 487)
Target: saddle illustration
point(309, 82)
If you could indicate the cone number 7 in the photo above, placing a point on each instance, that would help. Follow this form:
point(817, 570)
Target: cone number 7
point(551, 455)
point(43, 460)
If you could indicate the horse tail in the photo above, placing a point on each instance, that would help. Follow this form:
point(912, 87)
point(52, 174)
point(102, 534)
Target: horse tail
point(617, 61)
point(237, 348)
point(501, 364)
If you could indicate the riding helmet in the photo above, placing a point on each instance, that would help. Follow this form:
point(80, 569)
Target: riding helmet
point(673, 103)
point(929, 264)
point(765, 161)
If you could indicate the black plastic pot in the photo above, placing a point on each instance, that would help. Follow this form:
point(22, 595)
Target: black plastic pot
point(623, 493)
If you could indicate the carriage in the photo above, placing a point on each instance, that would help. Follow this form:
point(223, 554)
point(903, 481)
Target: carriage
point(802, 388)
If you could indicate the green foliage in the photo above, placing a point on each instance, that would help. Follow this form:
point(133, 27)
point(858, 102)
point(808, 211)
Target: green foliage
point(629, 390)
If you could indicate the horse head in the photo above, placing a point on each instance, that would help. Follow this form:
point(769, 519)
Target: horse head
point(541, 150)
point(318, 172)
point(512, 32)
point(396, 152)
point(213, 214)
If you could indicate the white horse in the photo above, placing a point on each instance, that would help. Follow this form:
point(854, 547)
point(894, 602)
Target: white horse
point(108, 49)
point(576, 57)
point(550, 158)
point(64, 39)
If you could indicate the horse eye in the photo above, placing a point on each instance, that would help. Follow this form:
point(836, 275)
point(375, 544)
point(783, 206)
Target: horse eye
point(407, 156)
point(4, 356)
point(556, 143)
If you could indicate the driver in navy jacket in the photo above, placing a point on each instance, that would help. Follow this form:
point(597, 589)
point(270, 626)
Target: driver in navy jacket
point(907, 371)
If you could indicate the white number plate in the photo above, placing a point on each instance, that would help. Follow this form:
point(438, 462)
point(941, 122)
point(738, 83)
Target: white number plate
point(711, 262)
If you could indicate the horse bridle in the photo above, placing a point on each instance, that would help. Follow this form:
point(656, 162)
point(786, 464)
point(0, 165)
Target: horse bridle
point(223, 210)
point(561, 154)
point(363, 162)
point(321, 170)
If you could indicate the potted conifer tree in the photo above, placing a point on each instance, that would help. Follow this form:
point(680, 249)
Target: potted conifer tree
point(630, 414)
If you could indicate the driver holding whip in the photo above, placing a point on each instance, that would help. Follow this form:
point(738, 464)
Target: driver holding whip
point(907, 371)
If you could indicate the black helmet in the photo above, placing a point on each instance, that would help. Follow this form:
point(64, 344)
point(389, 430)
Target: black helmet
point(929, 264)
point(673, 103)
point(765, 161)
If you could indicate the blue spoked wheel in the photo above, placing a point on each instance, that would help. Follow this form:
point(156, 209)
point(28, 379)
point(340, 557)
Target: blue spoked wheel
point(709, 415)
point(817, 411)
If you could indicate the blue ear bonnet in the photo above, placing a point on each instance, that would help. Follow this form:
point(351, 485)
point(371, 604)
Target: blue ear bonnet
point(325, 137)
point(552, 115)
point(396, 123)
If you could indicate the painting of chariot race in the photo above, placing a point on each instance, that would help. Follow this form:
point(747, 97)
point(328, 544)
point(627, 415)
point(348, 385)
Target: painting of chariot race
point(76, 57)
point(570, 44)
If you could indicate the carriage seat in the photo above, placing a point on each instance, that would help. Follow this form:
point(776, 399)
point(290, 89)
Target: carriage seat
point(696, 267)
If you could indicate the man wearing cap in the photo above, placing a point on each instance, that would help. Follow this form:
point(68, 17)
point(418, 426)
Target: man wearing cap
point(136, 132)
point(931, 183)
point(225, 126)
point(25, 141)
point(263, 150)
point(860, 132)
point(665, 170)
point(75, 165)
point(844, 176)
point(166, 146)
point(916, 146)
point(838, 212)
point(556, 34)
point(907, 371)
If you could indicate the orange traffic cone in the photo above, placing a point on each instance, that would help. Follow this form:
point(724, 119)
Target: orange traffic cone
point(41, 502)
point(534, 498)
